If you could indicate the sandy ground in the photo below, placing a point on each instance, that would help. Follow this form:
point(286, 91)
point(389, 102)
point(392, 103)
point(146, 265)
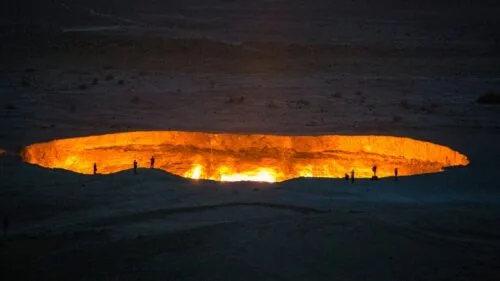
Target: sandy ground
point(154, 226)
point(386, 74)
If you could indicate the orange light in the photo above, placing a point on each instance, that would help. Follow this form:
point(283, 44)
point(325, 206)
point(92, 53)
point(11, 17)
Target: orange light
point(262, 175)
point(235, 157)
point(194, 173)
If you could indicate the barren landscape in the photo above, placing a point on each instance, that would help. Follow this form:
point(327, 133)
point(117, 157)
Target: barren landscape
point(285, 68)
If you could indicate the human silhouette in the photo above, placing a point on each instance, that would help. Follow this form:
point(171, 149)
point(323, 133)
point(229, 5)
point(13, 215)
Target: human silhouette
point(396, 174)
point(374, 170)
point(346, 176)
point(152, 162)
point(352, 176)
point(95, 169)
point(135, 167)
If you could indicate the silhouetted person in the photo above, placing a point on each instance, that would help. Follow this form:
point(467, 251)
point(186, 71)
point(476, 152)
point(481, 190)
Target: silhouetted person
point(346, 176)
point(374, 170)
point(135, 167)
point(152, 162)
point(395, 174)
point(95, 169)
point(5, 226)
point(352, 176)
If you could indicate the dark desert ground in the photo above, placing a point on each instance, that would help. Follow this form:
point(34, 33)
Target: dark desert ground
point(416, 69)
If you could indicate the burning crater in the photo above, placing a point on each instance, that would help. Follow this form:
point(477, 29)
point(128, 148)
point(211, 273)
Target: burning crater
point(234, 157)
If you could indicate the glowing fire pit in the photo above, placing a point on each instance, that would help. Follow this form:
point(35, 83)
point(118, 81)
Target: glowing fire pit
point(233, 157)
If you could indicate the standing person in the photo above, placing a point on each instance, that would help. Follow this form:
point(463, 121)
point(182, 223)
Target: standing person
point(374, 170)
point(152, 162)
point(95, 169)
point(135, 167)
point(352, 176)
point(396, 174)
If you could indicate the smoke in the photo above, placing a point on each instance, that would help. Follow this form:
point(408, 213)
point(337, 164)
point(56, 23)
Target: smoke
point(5, 153)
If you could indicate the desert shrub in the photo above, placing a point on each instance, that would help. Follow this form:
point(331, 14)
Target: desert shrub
point(311, 123)
point(135, 99)
point(362, 100)
point(303, 103)
point(272, 105)
point(429, 106)
point(405, 104)
point(25, 82)
point(299, 104)
point(109, 77)
point(489, 98)
point(428, 109)
point(337, 95)
point(232, 100)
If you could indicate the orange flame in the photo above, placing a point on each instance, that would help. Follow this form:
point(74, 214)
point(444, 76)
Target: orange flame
point(194, 173)
point(262, 175)
point(234, 157)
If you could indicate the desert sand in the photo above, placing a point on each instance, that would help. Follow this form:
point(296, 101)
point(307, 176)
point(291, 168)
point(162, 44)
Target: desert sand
point(80, 68)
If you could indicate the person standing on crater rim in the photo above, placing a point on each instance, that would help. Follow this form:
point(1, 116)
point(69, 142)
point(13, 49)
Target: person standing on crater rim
point(135, 166)
point(95, 169)
point(152, 162)
point(374, 170)
point(352, 176)
point(396, 174)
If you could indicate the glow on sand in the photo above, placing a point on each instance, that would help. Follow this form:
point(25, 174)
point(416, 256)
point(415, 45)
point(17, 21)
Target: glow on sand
point(237, 157)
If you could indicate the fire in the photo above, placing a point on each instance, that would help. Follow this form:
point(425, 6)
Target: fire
point(194, 173)
point(235, 157)
point(262, 175)
point(225, 173)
